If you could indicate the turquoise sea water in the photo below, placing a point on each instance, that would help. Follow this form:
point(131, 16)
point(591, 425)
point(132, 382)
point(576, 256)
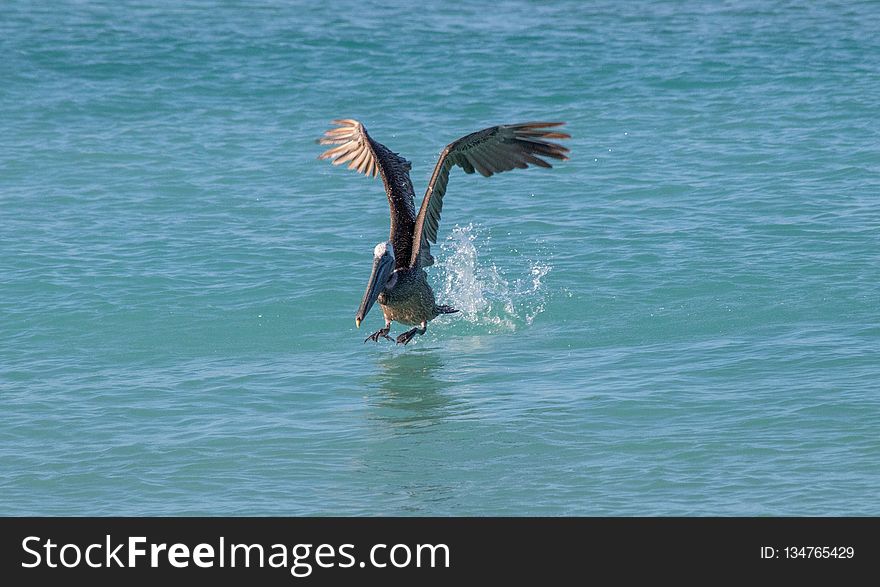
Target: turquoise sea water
point(683, 319)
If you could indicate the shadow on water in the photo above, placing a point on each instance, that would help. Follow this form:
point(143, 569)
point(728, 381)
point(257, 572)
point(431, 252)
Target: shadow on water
point(409, 398)
point(413, 390)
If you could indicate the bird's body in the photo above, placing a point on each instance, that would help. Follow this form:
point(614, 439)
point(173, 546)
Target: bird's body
point(411, 301)
point(398, 281)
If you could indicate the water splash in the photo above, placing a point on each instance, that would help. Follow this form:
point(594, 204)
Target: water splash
point(483, 292)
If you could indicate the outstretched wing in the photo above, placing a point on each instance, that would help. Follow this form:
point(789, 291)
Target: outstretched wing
point(365, 155)
point(492, 150)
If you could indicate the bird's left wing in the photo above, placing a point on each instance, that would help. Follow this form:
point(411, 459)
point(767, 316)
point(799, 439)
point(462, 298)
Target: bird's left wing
point(488, 151)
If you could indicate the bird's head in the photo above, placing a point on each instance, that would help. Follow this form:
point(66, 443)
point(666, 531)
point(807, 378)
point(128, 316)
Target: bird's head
point(382, 278)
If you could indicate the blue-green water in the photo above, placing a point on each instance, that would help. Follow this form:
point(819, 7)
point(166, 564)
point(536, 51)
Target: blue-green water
point(682, 319)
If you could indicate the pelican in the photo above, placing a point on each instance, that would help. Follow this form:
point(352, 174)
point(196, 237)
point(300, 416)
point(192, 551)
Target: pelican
point(398, 280)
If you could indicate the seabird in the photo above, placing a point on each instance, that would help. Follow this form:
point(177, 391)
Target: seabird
point(398, 280)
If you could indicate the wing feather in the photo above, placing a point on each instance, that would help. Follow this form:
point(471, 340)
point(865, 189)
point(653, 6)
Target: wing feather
point(351, 144)
point(355, 147)
point(488, 151)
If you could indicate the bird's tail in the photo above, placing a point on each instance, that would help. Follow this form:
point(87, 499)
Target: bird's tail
point(444, 309)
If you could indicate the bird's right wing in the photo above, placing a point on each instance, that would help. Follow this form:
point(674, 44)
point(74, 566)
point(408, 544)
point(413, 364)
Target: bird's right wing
point(357, 147)
point(488, 151)
point(372, 158)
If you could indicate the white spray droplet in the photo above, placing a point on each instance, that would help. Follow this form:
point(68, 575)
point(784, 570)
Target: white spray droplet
point(483, 293)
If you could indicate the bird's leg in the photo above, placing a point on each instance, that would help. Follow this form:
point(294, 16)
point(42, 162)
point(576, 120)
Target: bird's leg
point(383, 332)
point(412, 332)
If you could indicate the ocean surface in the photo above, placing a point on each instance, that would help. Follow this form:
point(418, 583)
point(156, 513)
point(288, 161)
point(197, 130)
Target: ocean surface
point(682, 319)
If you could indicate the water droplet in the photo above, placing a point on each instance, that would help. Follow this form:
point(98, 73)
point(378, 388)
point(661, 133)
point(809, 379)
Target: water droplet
point(485, 294)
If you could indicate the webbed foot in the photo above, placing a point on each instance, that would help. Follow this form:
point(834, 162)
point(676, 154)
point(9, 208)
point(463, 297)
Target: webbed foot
point(383, 332)
point(411, 333)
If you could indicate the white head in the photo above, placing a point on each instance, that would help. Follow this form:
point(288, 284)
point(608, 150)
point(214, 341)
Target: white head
point(382, 278)
point(383, 248)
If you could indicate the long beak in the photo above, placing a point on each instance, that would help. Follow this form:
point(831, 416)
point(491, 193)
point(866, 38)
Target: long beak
point(382, 268)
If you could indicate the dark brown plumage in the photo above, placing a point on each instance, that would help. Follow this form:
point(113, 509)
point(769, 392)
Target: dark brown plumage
point(407, 297)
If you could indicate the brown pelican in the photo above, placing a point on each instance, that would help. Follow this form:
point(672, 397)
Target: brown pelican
point(398, 281)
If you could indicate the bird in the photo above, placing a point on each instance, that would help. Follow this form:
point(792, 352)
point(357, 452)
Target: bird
point(398, 280)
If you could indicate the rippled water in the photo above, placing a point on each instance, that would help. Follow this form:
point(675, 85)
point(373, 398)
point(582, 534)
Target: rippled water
point(682, 319)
